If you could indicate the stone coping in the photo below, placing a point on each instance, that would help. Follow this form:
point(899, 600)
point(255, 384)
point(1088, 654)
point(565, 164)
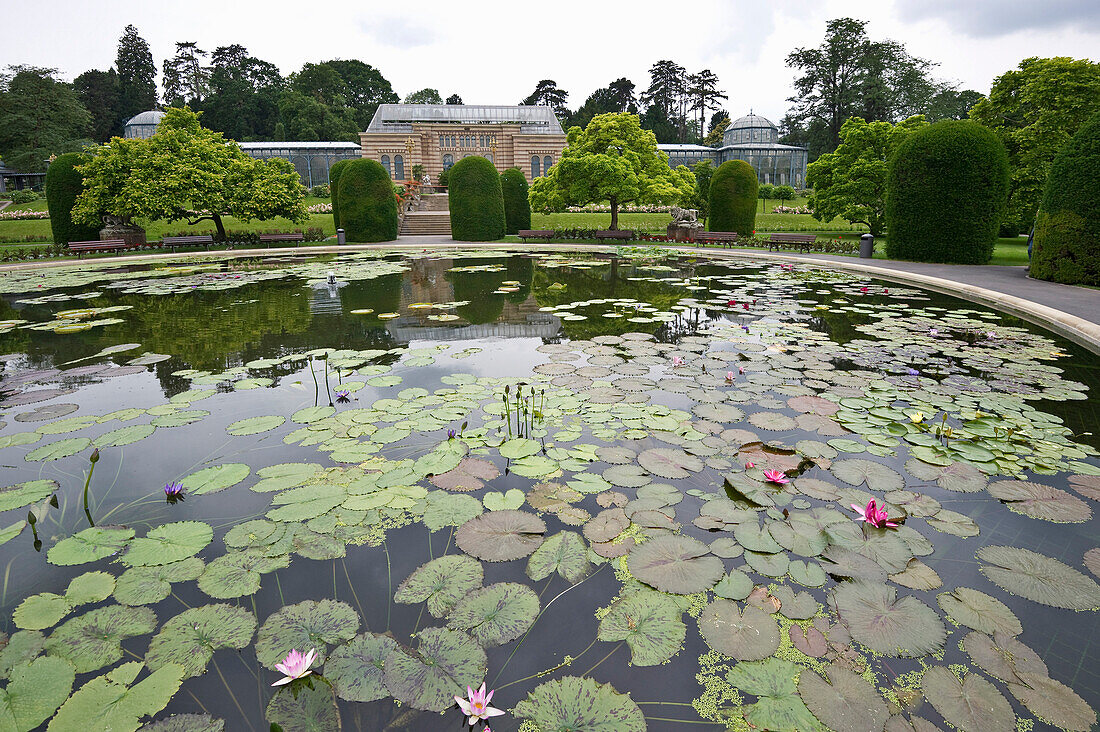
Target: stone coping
point(1079, 330)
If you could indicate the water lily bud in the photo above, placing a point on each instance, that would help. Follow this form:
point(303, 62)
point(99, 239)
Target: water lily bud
point(94, 458)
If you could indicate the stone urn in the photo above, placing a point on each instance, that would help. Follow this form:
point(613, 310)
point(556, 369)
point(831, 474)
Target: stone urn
point(117, 227)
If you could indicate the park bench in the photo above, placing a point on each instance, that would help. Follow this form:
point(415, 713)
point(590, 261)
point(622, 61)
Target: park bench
point(296, 237)
point(107, 245)
point(196, 240)
point(526, 234)
point(729, 238)
point(802, 242)
point(618, 235)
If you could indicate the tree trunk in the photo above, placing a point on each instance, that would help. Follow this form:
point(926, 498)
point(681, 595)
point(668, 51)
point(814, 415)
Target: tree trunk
point(221, 227)
point(614, 213)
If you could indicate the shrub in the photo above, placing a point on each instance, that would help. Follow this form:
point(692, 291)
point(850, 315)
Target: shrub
point(517, 208)
point(443, 178)
point(784, 193)
point(733, 192)
point(476, 201)
point(1067, 233)
point(946, 193)
point(334, 187)
point(766, 191)
point(320, 191)
point(368, 208)
point(63, 184)
point(25, 195)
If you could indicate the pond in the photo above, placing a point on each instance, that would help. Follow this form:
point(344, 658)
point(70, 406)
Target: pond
point(621, 490)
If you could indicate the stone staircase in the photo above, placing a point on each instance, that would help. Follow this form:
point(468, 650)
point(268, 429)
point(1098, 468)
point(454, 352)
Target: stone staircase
point(433, 218)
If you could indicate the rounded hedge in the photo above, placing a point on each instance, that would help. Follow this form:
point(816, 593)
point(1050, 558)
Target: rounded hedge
point(1066, 247)
point(63, 184)
point(945, 194)
point(733, 190)
point(517, 208)
point(334, 186)
point(475, 199)
point(368, 207)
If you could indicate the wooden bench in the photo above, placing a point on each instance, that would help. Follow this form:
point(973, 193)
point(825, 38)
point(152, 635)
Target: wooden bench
point(526, 234)
point(172, 242)
point(802, 242)
point(107, 245)
point(617, 235)
point(729, 238)
point(295, 237)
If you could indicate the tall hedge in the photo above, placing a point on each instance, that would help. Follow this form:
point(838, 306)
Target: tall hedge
point(517, 209)
point(733, 190)
point(368, 207)
point(334, 186)
point(1066, 247)
point(945, 194)
point(63, 185)
point(475, 199)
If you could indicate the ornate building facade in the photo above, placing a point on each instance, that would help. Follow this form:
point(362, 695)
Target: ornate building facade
point(755, 140)
point(438, 135)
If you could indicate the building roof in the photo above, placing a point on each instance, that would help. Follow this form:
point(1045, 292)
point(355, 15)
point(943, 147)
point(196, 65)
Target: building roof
point(761, 146)
point(300, 145)
point(533, 119)
point(684, 147)
point(152, 117)
point(750, 121)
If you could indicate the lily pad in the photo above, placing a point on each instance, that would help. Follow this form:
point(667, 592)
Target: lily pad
point(237, 574)
point(875, 616)
point(186, 723)
point(876, 476)
point(1053, 702)
point(441, 583)
point(94, 640)
point(958, 477)
point(124, 435)
point(1002, 655)
point(565, 553)
point(971, 704)
point(89, 545)
point(772, 682)
point(215, 478)
point(845, 703)
point(444, 663)
point(57, 450)
point(649, 622)
point(109, 702)
point(749, 635)
point(24, 494)
point(148, 585)
point(979, 611)
point(168, 543)
point(496, 614)
point(1039, 578)
point(501, 536)
point(670, 463)
point(450, 509)
point(190, 639)
point(355, 668)
point(580, 705)
point(1041, 501)
point(34, 692)
point(255, 425)
point(308, 624)
point(469, 475)
point(677, 564)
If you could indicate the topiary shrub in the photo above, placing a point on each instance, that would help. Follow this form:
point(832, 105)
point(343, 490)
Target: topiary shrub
point(945, 194)
point(333, 187)
point(476, 201)
point(63, 184)
point(733, 191)
point(1066, 247)
point(368, 208)
point(517, 208)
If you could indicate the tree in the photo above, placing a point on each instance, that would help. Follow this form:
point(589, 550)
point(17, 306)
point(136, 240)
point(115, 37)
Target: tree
point(334, 172)
point(364, 89)
point(612, 159)
point(1067, 233)
point(851, 76)
point(621, 94)
point(186, 80)
point(39, 116)
point(517, 206)
point(700, 201)
point(952, 104)
point(243, 99)
point(600, 101)
point(667, 91)
point(454, 99)
point(547, 94)
point(98, 91)
point(137, 86)
point(1035, 109)
point(424, 96)
point(851, 181)
point(307, 119)
point(733, 192)
point(63, 185)
point(704, 92)
point(717, 131)
point(368, 207)
point(186, 171)
point(476, 200)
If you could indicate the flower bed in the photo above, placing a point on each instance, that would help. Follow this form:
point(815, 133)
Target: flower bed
point(792, 210)
point(23, 215)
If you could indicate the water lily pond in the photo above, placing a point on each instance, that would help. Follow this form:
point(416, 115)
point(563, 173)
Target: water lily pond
point(626, 492)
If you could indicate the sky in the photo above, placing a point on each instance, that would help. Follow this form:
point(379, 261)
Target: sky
point(495, 51)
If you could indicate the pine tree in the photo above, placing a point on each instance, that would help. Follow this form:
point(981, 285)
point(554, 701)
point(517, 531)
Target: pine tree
point(136, 74)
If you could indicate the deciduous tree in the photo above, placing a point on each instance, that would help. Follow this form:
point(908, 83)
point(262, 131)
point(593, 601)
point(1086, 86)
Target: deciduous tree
point(98, 91)
point(39, 116)
point(424, 96)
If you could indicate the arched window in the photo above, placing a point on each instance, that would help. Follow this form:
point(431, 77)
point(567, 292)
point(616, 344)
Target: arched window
point(386, 164)
point(546, 163)
point(490, 157)
point(398, 167)
point(535, 166)
point(448, 161)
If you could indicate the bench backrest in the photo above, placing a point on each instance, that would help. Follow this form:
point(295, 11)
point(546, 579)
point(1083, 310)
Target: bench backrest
point(535, 232)
point(614, 234)
point(297, 236)
point(716, 235)
point(196, 239)
point(795, 238)
point(97, 243)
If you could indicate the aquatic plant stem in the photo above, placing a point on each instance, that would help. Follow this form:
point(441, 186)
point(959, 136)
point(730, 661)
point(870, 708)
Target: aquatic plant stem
point(544, 672)
point(351, 585)
point(389, 583)
point(231, 694)
point(87, 482)
point(604, 658)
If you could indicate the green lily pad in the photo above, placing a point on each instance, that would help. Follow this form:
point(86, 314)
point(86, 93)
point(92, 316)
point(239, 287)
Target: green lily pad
point(958, 477)
point(649, 622)
point(307, 502)
point(285, 475)
point(1039, 578)
point(772, 682)
point(24, 494)
point(444, 663)
point(519, 447)
point(355, 668)
point(875, 616)
point(310, 707)
point(496, 614)
point(876, 476)
point(1041, 501)
point(308, 624)
point(109, 702)
point(450, 509)
point(670, 463)
point(677, 564)
point(57, 450)
point(237, 574)
point(1053, 702)
point(124, 435)
point(21, 648)
point(149, 585)
point(580, 705)
point(179, 419)
point(215, 478)
point(255, 425)
point(312, 414)
point(495, 501)
point(34, 692)
point(734, 586)
point(624, 476)
point(190, 639)
point(94, 640)
point(441, 583)
point(186, 723)
point(979, 611)
point(501, 536)
point(565, 553)
point(749, 635)
point(89, 545)
point(845, 703)
point(1002, 655)
point(968, 704)
point(41, 611)
point(168, 543)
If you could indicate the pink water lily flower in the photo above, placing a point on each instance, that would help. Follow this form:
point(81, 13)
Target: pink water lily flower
point(677, 361)
point(873, 515)
point(295, 665)
point(776, 476)
point(729, 376)
point(477, 706)
point(750, 464)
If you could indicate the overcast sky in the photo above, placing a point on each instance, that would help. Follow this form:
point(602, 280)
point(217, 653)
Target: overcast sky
point(494, 51)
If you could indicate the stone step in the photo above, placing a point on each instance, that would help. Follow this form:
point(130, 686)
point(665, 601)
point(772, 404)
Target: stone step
point(426, 223)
